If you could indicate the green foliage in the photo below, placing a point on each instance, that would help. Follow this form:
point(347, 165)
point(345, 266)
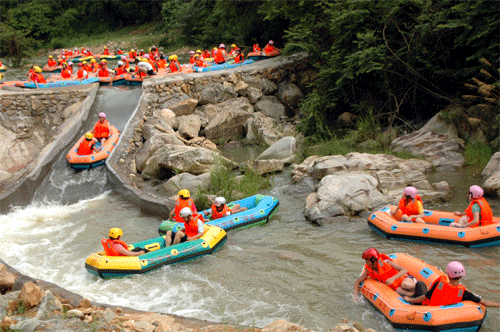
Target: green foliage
point(14, 46)
point(477, 154)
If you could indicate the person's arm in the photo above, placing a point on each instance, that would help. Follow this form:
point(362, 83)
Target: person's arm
point(402, 272)
point(127, 252)
point(490, 303)
point(362, 277)
point(171, 214)
point(414, 300)
point(474, 221)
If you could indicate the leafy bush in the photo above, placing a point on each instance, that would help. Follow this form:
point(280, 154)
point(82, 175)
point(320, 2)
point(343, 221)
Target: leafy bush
point(477, 154)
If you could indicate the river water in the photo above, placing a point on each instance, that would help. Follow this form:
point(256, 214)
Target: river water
point(289, 268)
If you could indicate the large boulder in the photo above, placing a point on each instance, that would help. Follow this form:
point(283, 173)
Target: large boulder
point(151, 146)
point(261, 128)
point(7, 279)
point(493, 166)
point(290, 95)
point(265, 85)
point(188, 126)
point(270, 106)
point(440, 150)
point(166, 115)
point(215, 93)
point(174, 100)
point(284, 150)
point(155, 127)
point(439, 125)
point(30, 294)
point(186, 181)
point(184, 107)
point(172, 159)
point(229, 123)
point(492, 175)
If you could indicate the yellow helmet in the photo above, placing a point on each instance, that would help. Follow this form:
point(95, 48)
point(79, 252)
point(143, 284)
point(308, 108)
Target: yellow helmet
point(132, 50)
point(171, 57)
point(92, 60)
point(105, 47)
point(198, 51)
point(233, 45)
point(89, 135)
point(37, 69)
point(175, 56)
point(115, 232)
point(184, 193)
point(50, 56)
point(214, 48)
point(84, 62)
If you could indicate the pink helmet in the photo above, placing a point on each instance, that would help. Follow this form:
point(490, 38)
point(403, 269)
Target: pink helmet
point(191, 52)
point(455, 270)
point(476, 191)
point(222, 46)
point(146, 56)
point(123, 57)
point(271, 42)
point(410, 191)
point(102, 115)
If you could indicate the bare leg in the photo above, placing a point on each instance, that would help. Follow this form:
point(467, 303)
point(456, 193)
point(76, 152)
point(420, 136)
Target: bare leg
point(178, 236)
point(168, 238)
point(237, 208)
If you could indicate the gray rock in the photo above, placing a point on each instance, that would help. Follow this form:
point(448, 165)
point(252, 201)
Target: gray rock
point(265, 85)
point(493, 166)
point(270, 106)
point(184, 107)
point(290, 95)
point(261, 128)
point(151, 146)
point(438, 125)
point(266, 166)
point(49, 306)
point(229, 123)
point(187, 181)
point(215, 93)
point(189, 126)
point(284, 149)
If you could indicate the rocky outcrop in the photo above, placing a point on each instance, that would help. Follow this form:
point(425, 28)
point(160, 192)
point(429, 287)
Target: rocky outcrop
point(491, 173)
point(357, 182)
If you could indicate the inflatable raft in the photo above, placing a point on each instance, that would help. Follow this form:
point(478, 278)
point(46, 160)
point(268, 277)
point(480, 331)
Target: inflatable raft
point(120, 266)
point(260, 209)
point(260, 55)
point(96, 158)
point(53, 69)
point(464, 316)
point(2, 69)
point(56, 84)
point(436, 229)
point(228, 65)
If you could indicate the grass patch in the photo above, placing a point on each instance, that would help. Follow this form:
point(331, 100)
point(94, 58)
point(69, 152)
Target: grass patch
point(477, 154)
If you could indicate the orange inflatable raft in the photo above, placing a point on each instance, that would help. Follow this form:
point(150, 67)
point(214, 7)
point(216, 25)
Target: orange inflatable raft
point(465, 316)
point(436, 229)
point(259, 55)
point(94, 159)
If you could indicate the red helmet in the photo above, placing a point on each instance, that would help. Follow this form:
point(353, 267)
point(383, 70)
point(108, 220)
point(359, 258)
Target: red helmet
point(370, 253)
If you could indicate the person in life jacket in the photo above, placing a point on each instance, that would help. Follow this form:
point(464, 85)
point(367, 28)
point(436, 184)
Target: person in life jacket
point(119, 52)
point(220, 54)
point(94, 65)
point(143, 68)
point(238, 57)
point(120, 69)
point(103, 70)
point(410, 207)
point(233, 50)
point(256, 47)
point(132, 54)
point(51, 62)
point(205, 54)
point(220, 209)
point(191, 57)
point(444, 292)
point(70, 67)
point(37, 76)
point(87, 146)
point(101, 129)
point(198, 62)
point(65, 73)
point(193, 228)
point(106, 51)
point(270, 47)
point(125, 62)
point(63, 59)
point(81, 73)
point(183, 201)
point(478, 213)
point(114, 246)
point(380, 267)
point(162, 63)
point(87, 66)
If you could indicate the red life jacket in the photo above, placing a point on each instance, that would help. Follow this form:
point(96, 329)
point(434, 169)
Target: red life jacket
point(40, 77)
point(120, 70)
point(200, 63)
point(191, 59)
point(191, 226)
point(486, 215)
point(103, 72)
point(85, 147)
point(181, 204)
point(66, 73)
point(238, 58)
point(219, 56)
point(206, 54)
point(101, 129)
point(268, 48)
point(106, 52)
point(384, 272)
point(174, 66)
point(52, 62)
point(445, 293)
point(410, 208)
point(216, 214)
point(79, 73)
point(108, 247)
point(256, 48)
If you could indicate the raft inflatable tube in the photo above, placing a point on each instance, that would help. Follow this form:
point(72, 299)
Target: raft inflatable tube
point(260, 209)
point(108, 267)
point(81, 58)
point(53, 69)
point(260, 55)
point(57, 84)
point(228, 65)
point(2, 69)
point(436, 229)
point(107, 57)
point(94, 159)
point(463, 316)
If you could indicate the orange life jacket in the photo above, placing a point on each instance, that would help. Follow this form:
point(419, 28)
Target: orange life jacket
point(88, 68)
point(191, 59)
point(120, 70)
point(119, 52)
point(132, 55)
point(103, 72)
point(238, 58)
point(445, 293)
point(108, 247)
point(200, 63)
point(191, 226)
point(41, 79)
point(206, 54)
point(79, 73)
point(384, 272)
point(219, 56)
point(486, 215)
point(106, 52)
point(85, 147)
point(125, 64)
point(256, 48)
point(52, 62)
point(226, 211)
point(173, 66)
point(101, 129)
point(181, 204)
point(162, 63)
point(268, 48)
point(410, 208)
point(66, 73)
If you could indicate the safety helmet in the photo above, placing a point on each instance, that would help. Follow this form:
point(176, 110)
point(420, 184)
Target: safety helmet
point(271, 42)
point(84, 62)
point(191, 52)
point(70, 63)
point(222, 46)
point(120, 63)
point(219, 201)
point(89, 135)
point(198, 51)
point(64, 64)
point(123, 57)
point(455, 270)
point(37, 69)
point(370, 253)
point(92, 60)
point(184, 193)
point(146, 56)
point(102, 115)
point(132, 50)
point(185, 212)
point(175, 56)
point(215, 48)
point(105, 47)
point(115, 232)
point(80, 64)
point(233, 45)
point(410, 191)
point(476, 191)
point(64, 57)
point(50, 56)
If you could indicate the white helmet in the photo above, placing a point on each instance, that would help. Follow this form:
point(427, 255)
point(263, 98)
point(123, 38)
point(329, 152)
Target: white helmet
point(220, 201)
point(120, 63)
point(185, 212)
